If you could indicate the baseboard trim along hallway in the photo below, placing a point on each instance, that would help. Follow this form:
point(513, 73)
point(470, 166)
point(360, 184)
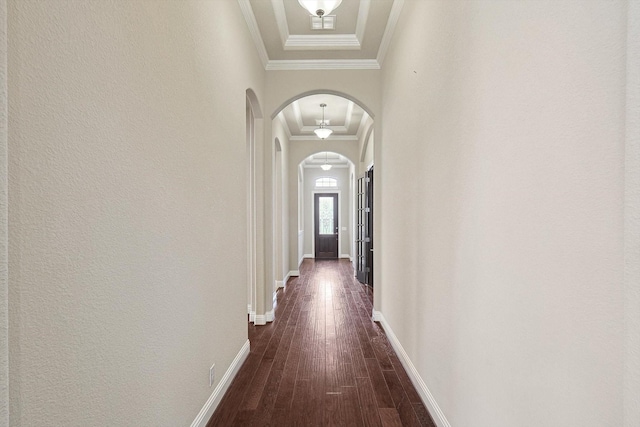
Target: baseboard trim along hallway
point(424, 392)
point(214, 400)
point(322, 362)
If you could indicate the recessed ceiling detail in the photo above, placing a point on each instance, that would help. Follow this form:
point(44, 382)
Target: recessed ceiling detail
point(344, 117)
point(326, 157)
point(285, 39)
point(323, 23)
point(321, 41)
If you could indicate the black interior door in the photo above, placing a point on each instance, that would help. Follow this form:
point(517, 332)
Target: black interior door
point(364, 229)
point(369, 227)
point(361, 223)
point(326, 226)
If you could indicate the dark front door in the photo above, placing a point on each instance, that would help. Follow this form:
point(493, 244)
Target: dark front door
point(326, 225)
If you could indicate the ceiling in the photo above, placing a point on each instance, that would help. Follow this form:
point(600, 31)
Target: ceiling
point(334, 159)
point(281, 31)
point(347, 120)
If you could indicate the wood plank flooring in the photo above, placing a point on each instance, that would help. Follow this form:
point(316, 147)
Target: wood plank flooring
point(322, 362)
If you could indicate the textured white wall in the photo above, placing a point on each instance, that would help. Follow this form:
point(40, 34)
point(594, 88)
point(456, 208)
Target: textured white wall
point(632, 220)
point(502, 216)
point(127, 207)
point(4, 291)
point(281, 240)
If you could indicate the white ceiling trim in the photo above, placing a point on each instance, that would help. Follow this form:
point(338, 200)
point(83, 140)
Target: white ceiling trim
point(394, 15)
point(247, 12)
point(322, 64)
point(310, 129)
point(321, 41)
point(318, 166)
point(361, 23)
point(332, 138)
point(281, 20)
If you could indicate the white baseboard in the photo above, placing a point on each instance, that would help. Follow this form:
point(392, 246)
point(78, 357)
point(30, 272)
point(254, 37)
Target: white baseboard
point(275, 303)
point(294, 273)
point(346, 256)
point(260, 319)
point(252, 316)
point(425, 394)
point(271, 314)
point(212, 403)
point(308, 256)
point(280, 284)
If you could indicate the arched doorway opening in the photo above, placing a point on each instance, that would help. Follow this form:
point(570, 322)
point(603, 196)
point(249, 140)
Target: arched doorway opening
point(255, 245)
point(326, 205)
point(295, 155)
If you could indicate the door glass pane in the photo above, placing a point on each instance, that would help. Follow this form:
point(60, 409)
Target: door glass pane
point(326, 215)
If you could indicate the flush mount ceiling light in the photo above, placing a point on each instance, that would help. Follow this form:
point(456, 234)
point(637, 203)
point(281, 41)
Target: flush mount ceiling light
point(320, 7)
point(323, 132)
point(326, 166)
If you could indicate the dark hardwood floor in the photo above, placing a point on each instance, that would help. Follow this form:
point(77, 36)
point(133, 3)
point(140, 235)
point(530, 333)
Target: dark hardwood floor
point(322, 362)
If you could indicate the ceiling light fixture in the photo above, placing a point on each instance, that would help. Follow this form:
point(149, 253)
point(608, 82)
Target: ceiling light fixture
point(323, 132)
point(326, 166)
point(320, 7)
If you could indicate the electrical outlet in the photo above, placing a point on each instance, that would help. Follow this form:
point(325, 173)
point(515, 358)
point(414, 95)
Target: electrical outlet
point(212, 374)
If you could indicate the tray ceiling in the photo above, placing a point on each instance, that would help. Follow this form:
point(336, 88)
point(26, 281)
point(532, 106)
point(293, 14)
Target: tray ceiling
point(282, 33)
point(347, 120)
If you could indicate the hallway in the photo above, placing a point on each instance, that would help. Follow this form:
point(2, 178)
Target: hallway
point(323, 361)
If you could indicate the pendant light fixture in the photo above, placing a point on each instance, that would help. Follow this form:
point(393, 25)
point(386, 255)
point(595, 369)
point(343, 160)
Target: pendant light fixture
point(320, 8)
point(326, 166)
point(323, 132)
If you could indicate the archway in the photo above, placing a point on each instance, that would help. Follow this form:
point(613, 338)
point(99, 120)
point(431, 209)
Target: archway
point(322, 92)
point(291, 140)
point(255, 245)
point(317, 178)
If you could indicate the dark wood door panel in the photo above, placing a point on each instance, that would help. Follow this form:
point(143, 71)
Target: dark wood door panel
point(364, 229)
point(326, 225)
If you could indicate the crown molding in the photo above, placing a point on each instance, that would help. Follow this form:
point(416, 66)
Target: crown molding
point(333, 128)
point(394, 15)
point(361, 23)
point(281, 20)
point(247, 12)
point(322, 42)
point(330, 138)
point(322, 64)
point(333, 165)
